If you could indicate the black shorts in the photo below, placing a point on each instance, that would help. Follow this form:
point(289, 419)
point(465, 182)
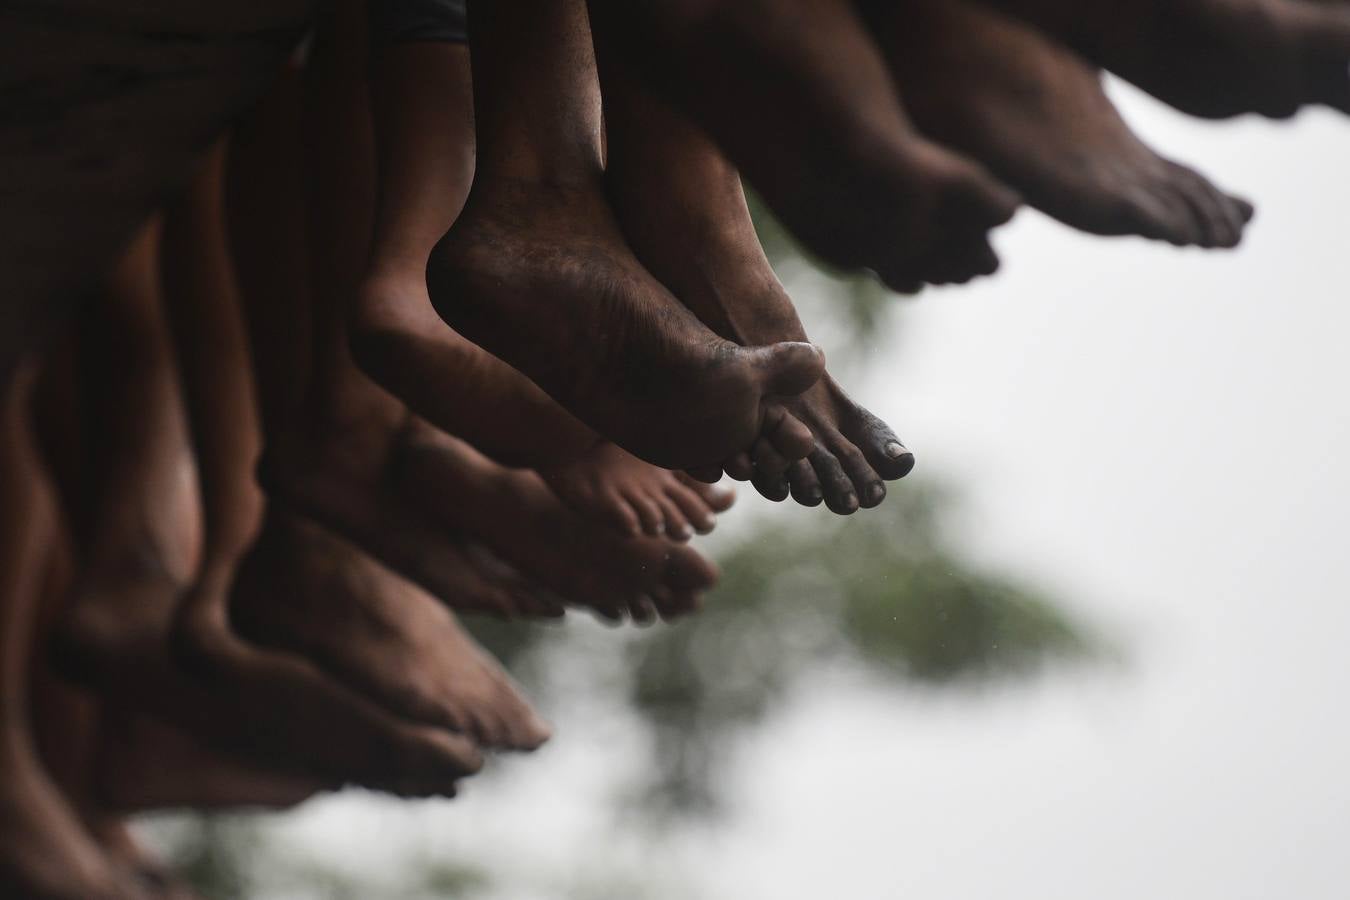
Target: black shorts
point(402, 21)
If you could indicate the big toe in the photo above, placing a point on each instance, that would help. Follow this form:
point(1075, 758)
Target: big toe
point(525, 729)
point(976, 201)
point(787, 368)
point(688, 571)
point(885, 452)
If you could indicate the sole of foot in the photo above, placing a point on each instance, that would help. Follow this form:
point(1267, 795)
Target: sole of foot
point(377, 634)
point(564, 301)
point(1035, 113)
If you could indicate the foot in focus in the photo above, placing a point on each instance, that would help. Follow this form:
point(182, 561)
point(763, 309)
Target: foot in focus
point(684, 213)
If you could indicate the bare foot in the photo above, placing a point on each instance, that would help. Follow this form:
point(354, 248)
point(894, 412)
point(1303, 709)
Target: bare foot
point(565, 302)
point(46, 853)
point(465, 391)
point(1211, 58)
point(115, 837)
point(377, 633)
point(798, 97)
point(343, 475)
point(516, 514)
point(614, 487)
point(685, 215)
point(143, 764)
point(1035, 113)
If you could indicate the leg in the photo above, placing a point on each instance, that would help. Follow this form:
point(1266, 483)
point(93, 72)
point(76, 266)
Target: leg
point(1211, 58)
point(685, 215)
point(45, 852)
point(563, 300)
point(798, 97)
point(132, 593)
point(1036, 114)
point(329, 467)
point(424, 129)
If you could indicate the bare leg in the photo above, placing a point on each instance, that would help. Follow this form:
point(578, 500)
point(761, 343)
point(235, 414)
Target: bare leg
point(44, 851)
point(798, 97)
point(139, 566)
point(536, 271)
point(685, 215)
point(423, 107)
point(1211, 58)
point(106, 108)
point(333, 467)
point(1035, 113)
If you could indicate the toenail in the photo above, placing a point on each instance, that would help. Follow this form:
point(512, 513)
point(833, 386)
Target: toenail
point(895, 450)
point(850, 501)
point(877, 492)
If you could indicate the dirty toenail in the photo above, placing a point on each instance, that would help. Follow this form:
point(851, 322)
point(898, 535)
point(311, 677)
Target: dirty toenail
point(877, 493)
point(850, 501)
point(895, 450)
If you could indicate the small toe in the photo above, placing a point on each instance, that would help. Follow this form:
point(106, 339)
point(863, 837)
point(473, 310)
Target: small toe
point(693, 508)
point(836, 487)
point(678, 527)
point(770, 477)
point(739, 467)
point(718, 497)
point(648, 511)
point(620, 514)
point(867, 484)
point(789, 437)
point(804, 484)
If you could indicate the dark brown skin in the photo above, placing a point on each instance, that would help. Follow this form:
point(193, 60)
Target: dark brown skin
point(1210, 58)
point(327, 451)
point(423, 106)
point(515, 513)
point(798, 97)
point(101, 122)
point(418, 664)
point(148, 623)
point(47, 854)
point(685, 215)
point(1035, 113)
point(377, 633)
point(536, 270)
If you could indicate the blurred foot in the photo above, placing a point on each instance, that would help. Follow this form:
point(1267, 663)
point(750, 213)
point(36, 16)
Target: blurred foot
point(340, 469)
point(143, 764)
point(1035, 113)
point(798, 97)
point(309, 592)
point(46, 853)
point(157, 880)
point(1211, 58)
point(516, 515)
point(611, 486)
